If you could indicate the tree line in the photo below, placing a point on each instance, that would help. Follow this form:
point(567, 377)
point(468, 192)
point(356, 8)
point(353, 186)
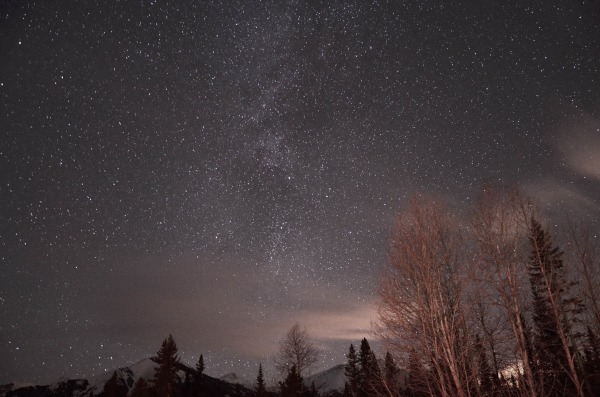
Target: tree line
point(296, 355)
point(493, 306)
point(366, 377)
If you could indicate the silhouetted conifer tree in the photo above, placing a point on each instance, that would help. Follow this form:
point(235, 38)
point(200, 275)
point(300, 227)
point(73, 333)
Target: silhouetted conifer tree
point(165, 375)
point(552, 308)
point(417, 377)
point(292, 385)
point(346, 392)
point(352, 371)
point(238, 390)
point(313, 390)
point(198, 376)
point(260, 389)
point(111, 387)
point(140, 388)
point(391, 374)
point(592, 364)
point(370, 374)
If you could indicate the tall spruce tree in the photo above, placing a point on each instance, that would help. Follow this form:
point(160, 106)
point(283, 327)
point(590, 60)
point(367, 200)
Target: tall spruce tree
point(313, 392)
point(111, 387)
point(165, 375)
point(370, 374)
point(592, 363)
point(140, 388)
point(293, 385)
point(199, 375)
point(391, 375)
point(553, 314)
point(417, 379)
point(352, 372)
point(260, 390)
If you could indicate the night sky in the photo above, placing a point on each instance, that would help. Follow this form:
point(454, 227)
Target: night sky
point(221, 169)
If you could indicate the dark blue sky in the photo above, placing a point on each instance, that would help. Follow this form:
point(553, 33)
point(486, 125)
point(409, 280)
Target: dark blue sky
point(221, 169)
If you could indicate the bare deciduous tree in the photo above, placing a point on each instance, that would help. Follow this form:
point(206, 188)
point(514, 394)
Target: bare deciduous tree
point(586, 257)
point(421, 306)
point(296, 349)
point(500, 227)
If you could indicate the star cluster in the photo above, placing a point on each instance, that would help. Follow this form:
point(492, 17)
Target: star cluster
point(221, 169)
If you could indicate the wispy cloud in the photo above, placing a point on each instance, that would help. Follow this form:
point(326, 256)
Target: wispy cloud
point(579, 146)
point(350, 325)
point(555, 194)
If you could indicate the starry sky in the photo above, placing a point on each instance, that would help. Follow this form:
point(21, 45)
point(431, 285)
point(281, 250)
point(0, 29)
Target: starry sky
point(219, 170)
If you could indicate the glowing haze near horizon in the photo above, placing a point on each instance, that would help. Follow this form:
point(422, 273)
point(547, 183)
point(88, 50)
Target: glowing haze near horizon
point(221, 169)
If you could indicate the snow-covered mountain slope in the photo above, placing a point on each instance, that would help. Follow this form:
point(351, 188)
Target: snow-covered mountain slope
point(127, 376)
point(87, 387)
point(235, 379)
point(332, 379)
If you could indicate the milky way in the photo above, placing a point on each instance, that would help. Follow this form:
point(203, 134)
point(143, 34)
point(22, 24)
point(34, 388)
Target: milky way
point(221, 169)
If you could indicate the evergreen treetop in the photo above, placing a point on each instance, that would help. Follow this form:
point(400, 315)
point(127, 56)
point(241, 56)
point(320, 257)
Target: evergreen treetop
point(140, 388)
point(370, 375)
point(260, 390)
point(198, 375)
point(391, 373)
point(554, 313)
point(293, 385)
point(200, 365)
point(165, 375)
point(352, 371)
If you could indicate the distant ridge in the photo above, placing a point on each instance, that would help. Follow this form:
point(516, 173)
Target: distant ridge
point(126, 378)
